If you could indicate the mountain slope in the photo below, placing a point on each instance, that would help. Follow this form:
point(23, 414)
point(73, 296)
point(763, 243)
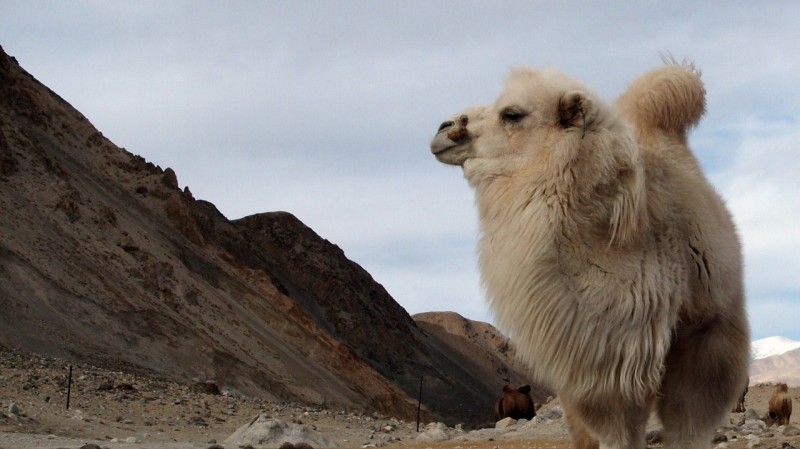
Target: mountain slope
point(101, 259)
point(104, 259)
point(481, 346)
point(783, 367)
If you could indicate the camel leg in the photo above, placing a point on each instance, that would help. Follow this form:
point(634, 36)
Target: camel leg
point(705, 371)
point(581, 439)
point(606, 426)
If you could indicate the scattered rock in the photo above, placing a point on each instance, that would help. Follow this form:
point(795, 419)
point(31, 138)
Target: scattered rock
point(264, 430)
point(434, 432)
point(13, 409)
point(197, 421)
point(505, 422)
point(177, 419)
point(124, 386)
point(208, 387)
point(553, 413)
point(288, 445)
point(755, 425)
point(751, 414)
point(753, 441)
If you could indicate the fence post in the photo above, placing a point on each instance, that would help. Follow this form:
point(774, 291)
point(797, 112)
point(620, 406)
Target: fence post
point(419, 401)
point(69, 385)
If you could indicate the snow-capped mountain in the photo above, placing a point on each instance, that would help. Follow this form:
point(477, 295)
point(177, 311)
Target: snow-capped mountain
point(775, 359)
point(772, 346)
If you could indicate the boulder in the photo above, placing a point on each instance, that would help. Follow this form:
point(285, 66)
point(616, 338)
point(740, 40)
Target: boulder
point(505, 422)
point(791, 430)
point(434, 432)
point(750, 414)
point(268, 432)
point(553, 413)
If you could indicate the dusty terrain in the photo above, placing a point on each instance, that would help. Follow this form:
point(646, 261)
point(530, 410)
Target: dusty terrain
point(109, 407)
point(106, 404)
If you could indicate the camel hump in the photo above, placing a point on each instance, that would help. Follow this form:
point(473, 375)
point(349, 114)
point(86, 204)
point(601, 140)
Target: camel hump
point(671, 98)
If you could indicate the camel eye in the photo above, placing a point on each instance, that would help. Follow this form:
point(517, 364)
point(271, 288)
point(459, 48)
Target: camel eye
point(512, 115)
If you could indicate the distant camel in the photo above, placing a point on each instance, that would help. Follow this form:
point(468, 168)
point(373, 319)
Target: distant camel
point(516, 404)
point(605, 253)
point(780, 406)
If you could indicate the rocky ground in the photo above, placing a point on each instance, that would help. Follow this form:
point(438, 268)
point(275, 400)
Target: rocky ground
point(115, 409)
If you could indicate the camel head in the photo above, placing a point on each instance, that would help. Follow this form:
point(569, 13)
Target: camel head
point(514, 132)
point(548, 133)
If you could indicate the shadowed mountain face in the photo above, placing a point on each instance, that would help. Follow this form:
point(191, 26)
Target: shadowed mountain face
point(104, 259)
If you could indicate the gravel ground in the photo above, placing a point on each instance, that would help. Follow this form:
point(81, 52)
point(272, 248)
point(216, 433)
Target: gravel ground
point(114, 409)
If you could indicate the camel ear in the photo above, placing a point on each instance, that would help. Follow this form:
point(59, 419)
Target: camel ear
point(574, 109)
point(524, 389)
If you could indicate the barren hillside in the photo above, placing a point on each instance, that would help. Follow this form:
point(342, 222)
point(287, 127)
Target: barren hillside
point(777, 368)
point(105, 260)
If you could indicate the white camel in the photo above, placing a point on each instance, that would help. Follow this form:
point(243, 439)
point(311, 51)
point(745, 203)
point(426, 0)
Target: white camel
point(605, 254)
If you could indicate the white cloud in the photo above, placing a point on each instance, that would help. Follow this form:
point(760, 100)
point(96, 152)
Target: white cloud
point(326, 110)
point(763, 193)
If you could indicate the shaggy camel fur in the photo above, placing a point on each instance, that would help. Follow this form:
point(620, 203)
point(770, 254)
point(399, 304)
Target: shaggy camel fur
point(780, 406)
point(516, 404)
point(605, 254)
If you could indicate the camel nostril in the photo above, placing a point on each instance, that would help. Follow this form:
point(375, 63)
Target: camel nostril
point(446, 125)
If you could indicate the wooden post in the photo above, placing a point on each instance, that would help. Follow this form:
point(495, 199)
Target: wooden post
point(419, 401)
point(69, 385)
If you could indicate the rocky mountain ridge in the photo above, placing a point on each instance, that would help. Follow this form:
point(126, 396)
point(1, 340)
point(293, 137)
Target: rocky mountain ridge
point(780, 368)
point(105, 260)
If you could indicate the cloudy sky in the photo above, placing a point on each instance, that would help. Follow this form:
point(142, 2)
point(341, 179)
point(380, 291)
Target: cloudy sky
point(326, 108)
